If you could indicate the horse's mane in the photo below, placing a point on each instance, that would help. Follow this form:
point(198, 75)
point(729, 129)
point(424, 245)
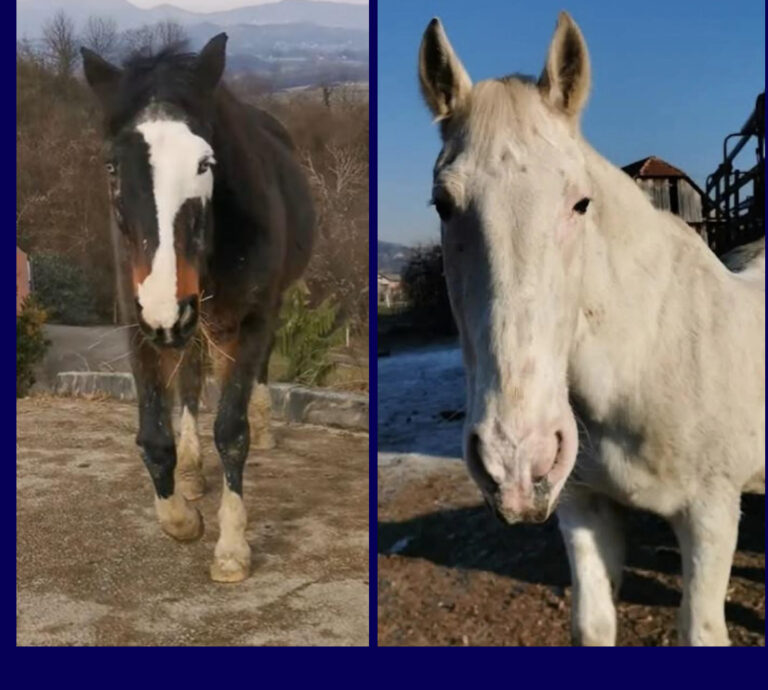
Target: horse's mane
point(166, 74)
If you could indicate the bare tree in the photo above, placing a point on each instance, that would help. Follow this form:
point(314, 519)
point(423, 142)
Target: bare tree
point(61, 43)
point(100, 34)
point(151, 38)
point(169, 33)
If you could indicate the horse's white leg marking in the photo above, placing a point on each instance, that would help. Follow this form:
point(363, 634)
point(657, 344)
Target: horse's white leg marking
point(189, 466)
point(707, 532)
point(179, 519)
point(260, 414)
point(232, 556)
point(595, 544)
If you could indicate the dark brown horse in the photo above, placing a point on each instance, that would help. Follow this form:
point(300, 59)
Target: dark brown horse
point(215, 220)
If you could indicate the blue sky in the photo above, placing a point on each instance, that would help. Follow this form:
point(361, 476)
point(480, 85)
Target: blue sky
point(669, 78)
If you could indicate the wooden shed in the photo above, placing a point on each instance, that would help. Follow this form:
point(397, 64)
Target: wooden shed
point(669, 189)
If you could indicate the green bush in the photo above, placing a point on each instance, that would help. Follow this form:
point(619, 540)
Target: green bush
point(64, 290)
point(307, 335)
point(31, 344)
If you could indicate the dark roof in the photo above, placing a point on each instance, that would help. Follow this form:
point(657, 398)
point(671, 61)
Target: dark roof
point(652, 167)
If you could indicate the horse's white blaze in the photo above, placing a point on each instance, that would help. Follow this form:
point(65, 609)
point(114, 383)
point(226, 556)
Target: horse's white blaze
point(175, 153)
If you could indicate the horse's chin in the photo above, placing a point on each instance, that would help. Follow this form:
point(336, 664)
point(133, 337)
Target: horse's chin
point(547, 494)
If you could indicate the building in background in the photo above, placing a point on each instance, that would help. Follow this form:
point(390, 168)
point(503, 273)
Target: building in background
point(389, 289)
point(670, 189)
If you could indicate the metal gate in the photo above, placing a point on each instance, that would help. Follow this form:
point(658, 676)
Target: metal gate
point(735, 198)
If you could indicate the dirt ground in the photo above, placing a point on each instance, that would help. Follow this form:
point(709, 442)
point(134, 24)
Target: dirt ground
point(450, 574)
point(94, 567)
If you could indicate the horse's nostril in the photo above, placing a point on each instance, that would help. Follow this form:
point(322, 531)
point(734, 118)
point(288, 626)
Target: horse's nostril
point(541, 476)
point(187, 314)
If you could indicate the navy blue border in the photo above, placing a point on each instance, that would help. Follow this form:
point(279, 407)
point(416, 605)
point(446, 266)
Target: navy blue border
point(426, 667)
point(373, 114)
point(8, 72)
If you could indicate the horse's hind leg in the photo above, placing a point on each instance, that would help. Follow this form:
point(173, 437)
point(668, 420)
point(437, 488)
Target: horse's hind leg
point(243, 360)
point(189, 466)
point(707, 532)
point(153, 371)
point(261, 406)
point(591, 529)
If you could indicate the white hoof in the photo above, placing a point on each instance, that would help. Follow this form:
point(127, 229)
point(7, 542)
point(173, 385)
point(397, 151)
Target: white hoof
point(233, 565)
point(178, 519)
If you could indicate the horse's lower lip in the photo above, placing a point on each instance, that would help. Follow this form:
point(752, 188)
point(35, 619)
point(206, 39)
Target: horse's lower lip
point(536, 515)
point(175, 340)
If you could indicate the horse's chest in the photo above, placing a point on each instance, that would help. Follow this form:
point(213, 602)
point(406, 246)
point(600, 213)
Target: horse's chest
point(618, 460)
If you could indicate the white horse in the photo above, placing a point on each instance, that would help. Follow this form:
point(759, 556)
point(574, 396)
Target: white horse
point(576, 299)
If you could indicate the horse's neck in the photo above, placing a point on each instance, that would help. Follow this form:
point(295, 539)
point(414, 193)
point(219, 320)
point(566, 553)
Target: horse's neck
point(644, 276)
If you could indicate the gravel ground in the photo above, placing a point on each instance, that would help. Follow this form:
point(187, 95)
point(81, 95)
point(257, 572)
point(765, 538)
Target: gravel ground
point(450, 574)
point(94, 567)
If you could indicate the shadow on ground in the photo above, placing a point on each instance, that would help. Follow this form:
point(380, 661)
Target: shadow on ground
point(469, 540)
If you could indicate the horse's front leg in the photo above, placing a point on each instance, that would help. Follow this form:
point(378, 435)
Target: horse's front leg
point(243, 355)
point(152, 371)
point(594, 540)
point(707, 532)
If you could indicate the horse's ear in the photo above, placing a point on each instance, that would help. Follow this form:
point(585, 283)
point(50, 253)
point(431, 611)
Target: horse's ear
point(102, 76)
point(566, 76)
point(211, 61)
point(445, 83)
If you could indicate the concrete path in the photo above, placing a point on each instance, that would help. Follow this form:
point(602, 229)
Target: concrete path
point(94, 567)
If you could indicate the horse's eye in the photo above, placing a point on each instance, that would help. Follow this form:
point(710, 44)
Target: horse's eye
point(204, 165)
point(581, 206)
point(443, 206)
point(443, 209)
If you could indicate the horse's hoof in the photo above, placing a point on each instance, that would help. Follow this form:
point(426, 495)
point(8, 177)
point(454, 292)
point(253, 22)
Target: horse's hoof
point(232, 566)
point(191, 485)
point(181, 521)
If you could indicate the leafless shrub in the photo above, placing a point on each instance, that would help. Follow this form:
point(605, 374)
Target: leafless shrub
point(151, 38)
point(101, 35)
point(60, 40)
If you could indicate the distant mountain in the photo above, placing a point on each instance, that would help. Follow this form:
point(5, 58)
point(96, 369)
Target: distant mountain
point(290, 43)
point(283, 39)
point(392, 258)
point(32, 14)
